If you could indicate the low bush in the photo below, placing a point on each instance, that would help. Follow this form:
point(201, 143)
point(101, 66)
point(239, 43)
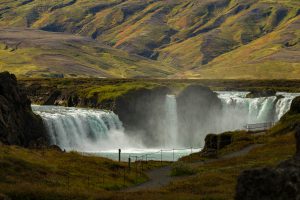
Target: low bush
point(182, 169)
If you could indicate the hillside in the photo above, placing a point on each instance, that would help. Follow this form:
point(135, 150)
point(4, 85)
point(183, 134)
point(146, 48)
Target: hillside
point(207, 38)
point(31, 53)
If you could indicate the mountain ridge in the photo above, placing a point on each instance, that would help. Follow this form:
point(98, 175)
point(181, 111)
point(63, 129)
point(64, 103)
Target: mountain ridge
point(185, 37)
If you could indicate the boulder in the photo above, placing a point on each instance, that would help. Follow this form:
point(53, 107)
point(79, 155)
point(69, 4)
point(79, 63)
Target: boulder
point(214, 143)
point(282, 183)
point(18, 124)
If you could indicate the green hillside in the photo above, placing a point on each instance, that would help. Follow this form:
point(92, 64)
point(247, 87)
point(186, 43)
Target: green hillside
point(203, 39)
point(34, 53)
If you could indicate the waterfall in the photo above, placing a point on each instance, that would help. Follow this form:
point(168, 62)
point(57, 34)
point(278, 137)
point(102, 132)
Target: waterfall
point(85, 130)
point(91, 130)
point(171, 122)
point(239, 110)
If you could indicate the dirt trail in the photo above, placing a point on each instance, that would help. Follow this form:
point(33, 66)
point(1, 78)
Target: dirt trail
point(161, 176)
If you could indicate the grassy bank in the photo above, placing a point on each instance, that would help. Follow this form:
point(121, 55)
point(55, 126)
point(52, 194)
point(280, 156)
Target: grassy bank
point(51, 174)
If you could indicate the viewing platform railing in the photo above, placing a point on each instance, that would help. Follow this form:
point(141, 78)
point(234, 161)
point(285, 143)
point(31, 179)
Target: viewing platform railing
point(259, 126)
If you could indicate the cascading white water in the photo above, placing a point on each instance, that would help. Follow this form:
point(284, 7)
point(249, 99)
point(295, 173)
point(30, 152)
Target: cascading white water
point(85, 130)
point(171, 122)
point(92, 130)
point(239, 110)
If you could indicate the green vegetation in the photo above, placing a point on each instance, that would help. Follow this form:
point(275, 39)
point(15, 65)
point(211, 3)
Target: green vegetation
point(70, 56)
point(51, 174)
point(182, 169)
point(187, 39)
point(111, 92)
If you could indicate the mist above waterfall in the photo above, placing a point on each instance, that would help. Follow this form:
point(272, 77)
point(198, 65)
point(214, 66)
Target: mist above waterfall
point(178, 121)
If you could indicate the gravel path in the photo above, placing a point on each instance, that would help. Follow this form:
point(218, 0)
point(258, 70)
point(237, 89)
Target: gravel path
point(161, 176)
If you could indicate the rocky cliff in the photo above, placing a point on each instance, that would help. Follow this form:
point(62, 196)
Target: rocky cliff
point(142, 112)
point(192, 102)
point(18, 124)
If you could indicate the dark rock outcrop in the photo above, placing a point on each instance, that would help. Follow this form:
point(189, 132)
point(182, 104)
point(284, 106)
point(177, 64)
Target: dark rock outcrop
point(261, 93)
point(142, 111)
point(18, 124)
point(214, 143)
point(198, 108)
point(295, 106)
point(282, 182)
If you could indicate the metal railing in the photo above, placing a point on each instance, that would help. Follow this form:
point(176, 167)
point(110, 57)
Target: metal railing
point(165, 154)
point(259, 126)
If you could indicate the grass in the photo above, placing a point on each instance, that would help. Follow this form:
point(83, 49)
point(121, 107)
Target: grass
point(111, 92)
point(48, 173)
point(182, 169)
point(217, 180)
point(72, 56)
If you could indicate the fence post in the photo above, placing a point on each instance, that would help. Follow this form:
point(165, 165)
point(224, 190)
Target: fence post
point(129, 163)
point(119, 155)
point(136, 172)
point(161, 157)
point(173, 156)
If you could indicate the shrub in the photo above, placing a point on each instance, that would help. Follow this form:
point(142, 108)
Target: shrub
point(182, 169)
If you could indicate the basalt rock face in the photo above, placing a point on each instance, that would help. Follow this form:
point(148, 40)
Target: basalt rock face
point(18, 124)
point(282, 182)
point(198, 107)
point(142, 111)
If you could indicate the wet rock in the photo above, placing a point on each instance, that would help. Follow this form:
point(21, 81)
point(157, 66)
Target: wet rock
point(18, 124)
